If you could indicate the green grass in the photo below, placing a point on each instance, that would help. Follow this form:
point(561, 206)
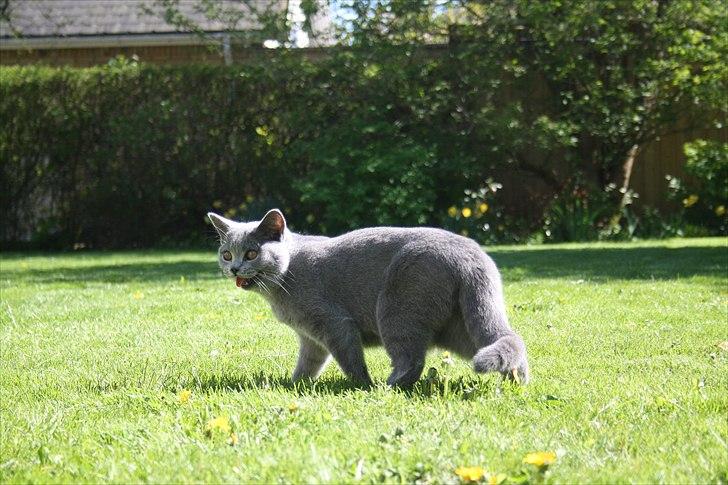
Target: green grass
point(629, 384)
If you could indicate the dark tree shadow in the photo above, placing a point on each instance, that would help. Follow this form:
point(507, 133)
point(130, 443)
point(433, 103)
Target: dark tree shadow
point(516, 265)
point(612, 263)
point(121, 273)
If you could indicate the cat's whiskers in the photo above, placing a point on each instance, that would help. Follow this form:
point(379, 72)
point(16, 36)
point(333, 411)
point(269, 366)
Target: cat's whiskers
point(275, 280)
point(281, 281)
point(261, 284)
point(288, 277)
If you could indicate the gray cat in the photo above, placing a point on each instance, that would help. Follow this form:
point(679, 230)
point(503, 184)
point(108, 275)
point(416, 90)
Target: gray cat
point(406, 289)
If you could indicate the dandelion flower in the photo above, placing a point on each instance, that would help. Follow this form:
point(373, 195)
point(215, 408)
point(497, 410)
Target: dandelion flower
point(446, 359)
point(540, 458)
point(293, 407)
point(690, 200)
point(138, 295)
point(184, 395)
point(221, 423)
point(466, 212)
point(496, 478)
point(720, 210)
point(483, 208)
point(452, 211)
point(470, 473)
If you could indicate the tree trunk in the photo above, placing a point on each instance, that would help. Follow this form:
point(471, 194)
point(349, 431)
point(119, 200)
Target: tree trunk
point(627, 167)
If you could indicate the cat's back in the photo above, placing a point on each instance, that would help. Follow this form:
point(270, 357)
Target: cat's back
point(371, 250)
point(400, 236)
point(379, 244)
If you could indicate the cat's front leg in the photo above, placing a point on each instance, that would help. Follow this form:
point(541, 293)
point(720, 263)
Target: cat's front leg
point(312, 359)
point(343, 340)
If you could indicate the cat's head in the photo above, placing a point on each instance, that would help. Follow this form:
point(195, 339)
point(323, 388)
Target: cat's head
point(255, 254)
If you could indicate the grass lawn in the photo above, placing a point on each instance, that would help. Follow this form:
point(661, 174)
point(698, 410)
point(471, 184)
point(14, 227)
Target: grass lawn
point(629, 382)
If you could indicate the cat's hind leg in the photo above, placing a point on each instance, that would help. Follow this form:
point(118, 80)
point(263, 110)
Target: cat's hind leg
point(312, 359)
point(411, 308)
point(406, 343)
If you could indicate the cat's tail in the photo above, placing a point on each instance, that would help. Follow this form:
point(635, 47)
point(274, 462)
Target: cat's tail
point(506, 355)
point(500, 349)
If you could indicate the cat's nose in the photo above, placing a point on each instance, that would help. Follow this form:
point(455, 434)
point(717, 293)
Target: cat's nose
point(234, 270)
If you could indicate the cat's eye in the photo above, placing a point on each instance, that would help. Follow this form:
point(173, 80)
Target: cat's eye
point(227, 255)
point(252, 254)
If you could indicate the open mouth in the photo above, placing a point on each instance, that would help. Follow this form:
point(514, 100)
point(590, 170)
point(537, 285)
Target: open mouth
point(241, 282)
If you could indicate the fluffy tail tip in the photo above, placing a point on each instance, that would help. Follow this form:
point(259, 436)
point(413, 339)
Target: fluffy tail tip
point(506, 355)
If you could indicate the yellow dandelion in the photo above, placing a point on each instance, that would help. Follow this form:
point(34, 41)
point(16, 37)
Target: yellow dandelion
point(293, 407)
point(221, 423)
point(233, 440)
point(138, 295)
point(720, 210)
point(496, 478)
point(470, 473)
point(482, 207)
point(690, 200)
point(452, 211)
point(184, 395)
point(466, 212)
point(446, 359)
point(540, 458)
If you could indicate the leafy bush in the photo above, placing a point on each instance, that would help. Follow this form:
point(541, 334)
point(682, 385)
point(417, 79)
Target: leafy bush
point(385, 129)
point(703, 197)
point(130, 154)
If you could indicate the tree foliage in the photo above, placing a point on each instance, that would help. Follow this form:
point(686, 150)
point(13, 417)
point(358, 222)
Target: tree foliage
point(420, 105)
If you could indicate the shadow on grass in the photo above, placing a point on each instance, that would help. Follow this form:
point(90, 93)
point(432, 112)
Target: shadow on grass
point(612, 263)
point(516, 265)
point(462, 388)
point(121, 273)
point(261, 381)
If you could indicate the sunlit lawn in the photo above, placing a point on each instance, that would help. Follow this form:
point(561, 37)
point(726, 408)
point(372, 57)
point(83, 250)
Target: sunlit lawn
point(630, 383)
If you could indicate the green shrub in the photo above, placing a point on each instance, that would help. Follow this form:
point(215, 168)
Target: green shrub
point(130, 154)
point(385, 129)
point(702, 198)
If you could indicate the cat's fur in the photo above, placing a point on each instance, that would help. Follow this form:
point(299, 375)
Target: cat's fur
point(406, 289)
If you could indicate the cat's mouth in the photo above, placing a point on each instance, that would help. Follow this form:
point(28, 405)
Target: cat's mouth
point(241, 282)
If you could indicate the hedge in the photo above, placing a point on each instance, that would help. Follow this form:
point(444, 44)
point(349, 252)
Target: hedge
point(134, 155)
point(131, 155)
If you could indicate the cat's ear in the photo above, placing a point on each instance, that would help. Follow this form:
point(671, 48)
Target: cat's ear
point(272, 226)
point(221, 225)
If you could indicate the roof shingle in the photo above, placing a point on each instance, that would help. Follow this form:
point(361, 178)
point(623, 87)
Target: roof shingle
point(66, 18)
